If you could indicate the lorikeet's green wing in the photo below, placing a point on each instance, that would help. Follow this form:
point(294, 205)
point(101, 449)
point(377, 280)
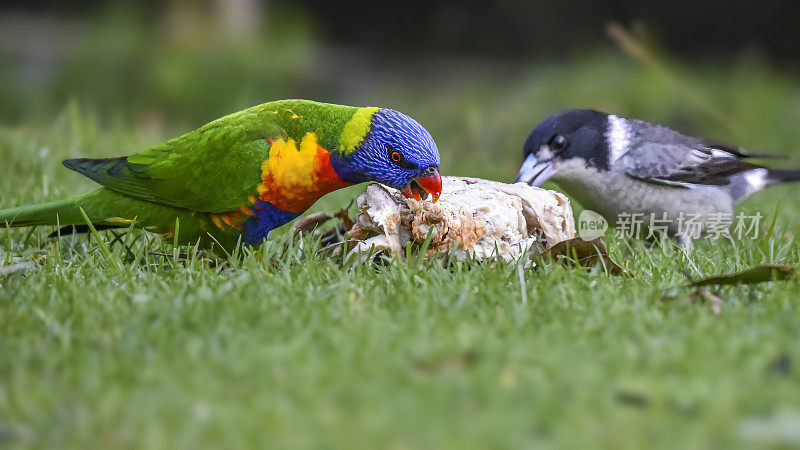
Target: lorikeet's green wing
point(212, 169)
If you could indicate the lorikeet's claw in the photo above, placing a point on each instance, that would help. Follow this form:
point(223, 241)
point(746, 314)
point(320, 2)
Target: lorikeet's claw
point(429, 182)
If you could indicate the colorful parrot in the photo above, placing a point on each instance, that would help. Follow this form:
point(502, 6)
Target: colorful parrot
point(245, 174)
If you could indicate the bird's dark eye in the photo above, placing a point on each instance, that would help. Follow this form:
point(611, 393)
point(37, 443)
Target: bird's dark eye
point(400, 160)
point(397, 158)
point(557, 143)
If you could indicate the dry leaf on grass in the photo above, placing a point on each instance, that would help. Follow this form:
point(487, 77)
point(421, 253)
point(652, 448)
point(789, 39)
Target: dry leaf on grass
point(586, 254)
point(758, 274)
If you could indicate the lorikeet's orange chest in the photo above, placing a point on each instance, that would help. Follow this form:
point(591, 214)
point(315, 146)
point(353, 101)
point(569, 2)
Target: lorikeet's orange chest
point(294, 177)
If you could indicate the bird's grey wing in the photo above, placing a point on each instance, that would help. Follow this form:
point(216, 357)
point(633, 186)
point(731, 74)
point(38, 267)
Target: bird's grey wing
point(680, 165)
point(658, 134)
point(738, 152)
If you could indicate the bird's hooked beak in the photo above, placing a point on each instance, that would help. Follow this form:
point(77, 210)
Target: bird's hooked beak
point(427, 182)
point(535, 172)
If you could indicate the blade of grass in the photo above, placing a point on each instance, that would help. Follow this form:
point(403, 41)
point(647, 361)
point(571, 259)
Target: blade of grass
point(770, 231)
point(104, 250)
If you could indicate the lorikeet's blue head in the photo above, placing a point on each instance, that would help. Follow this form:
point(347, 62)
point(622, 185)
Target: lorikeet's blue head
point(396, 152)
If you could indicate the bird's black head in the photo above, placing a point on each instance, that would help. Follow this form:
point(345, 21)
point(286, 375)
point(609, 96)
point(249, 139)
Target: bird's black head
point(575, 133)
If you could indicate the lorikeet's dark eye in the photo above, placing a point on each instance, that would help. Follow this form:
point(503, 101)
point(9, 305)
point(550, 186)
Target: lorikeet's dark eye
point(557, 142)
point(400, 160)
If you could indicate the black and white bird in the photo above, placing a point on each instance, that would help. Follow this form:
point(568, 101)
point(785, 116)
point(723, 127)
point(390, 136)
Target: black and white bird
point(621, 167)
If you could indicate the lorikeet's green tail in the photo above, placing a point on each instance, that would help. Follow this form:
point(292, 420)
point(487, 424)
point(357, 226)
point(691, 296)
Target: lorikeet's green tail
point(108, 209)
point(50, 213)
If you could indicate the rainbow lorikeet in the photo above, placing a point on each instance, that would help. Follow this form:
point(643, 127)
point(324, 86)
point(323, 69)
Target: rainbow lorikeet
point(247, 173)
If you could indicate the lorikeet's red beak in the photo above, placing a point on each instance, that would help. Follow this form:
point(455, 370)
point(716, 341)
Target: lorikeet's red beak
point(429, 183)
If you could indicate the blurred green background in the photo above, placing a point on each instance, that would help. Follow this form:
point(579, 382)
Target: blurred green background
point(478, 80)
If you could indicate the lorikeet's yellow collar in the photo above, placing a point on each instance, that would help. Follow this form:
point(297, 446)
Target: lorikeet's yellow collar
point(356, 130)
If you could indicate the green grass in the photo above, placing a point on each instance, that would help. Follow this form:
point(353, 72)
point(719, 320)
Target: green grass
point(284, 348)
